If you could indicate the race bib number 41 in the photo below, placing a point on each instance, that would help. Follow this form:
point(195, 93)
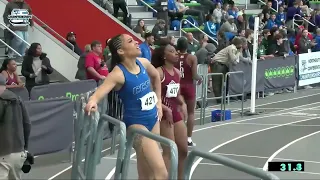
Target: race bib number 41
point(172, 90)
point(148, 101)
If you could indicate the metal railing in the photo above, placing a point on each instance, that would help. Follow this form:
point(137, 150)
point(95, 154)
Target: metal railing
point(275, 10)
point(185, 20)
point(48, 27)
point(304, 19)
point(2, 41)
point(173, 151)
point(2, 24)
point(146, 4)
point(226, 162)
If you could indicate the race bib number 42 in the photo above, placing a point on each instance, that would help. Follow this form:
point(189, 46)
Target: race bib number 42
point(172, 90)
point(148, 101)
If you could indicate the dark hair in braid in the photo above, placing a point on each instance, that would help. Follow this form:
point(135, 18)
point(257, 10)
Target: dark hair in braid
point(157, 58)
point(114, 45)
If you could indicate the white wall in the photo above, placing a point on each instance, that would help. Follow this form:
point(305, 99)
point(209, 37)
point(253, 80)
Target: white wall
point(62, 59)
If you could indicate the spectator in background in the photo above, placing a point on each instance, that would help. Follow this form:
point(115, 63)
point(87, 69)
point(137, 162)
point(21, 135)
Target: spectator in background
point(96, 68)
point(249, 37)
point(217, 15)
point(225, 14)
point(245, 55)
point(281, 17)
point(316, 48)
point(172, 40)
point(305, 44)
point(193, 46)
point(106, 52)
point(233, 11)
point(222, 41)
point(262, 51)
point(277, 48)
point(210, 26)
point(81, 72)
point(158, 30)
point(173, 11)
point(15, 127)
point(203, 40)
point(265, 36)
point(229, 26)
point(71, 38)
point(267, 9)
point(145, 46)
point(140, 27)
point(187, 11)
point(205, 54)
point(121, 4)
point(271, 22)
point(221, 62)
point(36, 67)
point(9, 71)
point(207, 4)
point(241, 32)
point(22, 31)
point(240, 22)
point(295, 9)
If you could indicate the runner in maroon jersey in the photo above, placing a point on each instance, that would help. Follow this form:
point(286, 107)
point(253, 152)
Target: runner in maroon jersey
point(188, 69)
point(171, 126)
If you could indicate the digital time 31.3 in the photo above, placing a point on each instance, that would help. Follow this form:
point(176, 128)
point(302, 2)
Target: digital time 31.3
point(286, 166)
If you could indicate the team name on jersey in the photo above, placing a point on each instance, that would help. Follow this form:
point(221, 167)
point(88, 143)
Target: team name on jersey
point(141, 87)
point(181, 69)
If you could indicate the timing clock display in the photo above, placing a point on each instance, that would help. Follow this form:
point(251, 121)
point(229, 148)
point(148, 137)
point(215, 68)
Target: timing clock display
point(286, 166)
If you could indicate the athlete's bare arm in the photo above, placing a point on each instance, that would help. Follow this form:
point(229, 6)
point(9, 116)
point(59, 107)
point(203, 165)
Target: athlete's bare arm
point(115, 79)
point(154, 76)
point(179, 97)
point(166, 109)
point(194, 63)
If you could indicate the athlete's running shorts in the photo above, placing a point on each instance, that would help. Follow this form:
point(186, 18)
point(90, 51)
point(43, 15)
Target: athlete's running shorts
point(176, 115)
point(188, 91)
point(148, 122)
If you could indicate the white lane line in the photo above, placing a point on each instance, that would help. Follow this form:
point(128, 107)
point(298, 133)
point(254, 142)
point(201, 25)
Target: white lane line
point(239, 137)
point(111, 173)
point(261, 157)
point(295, 125)
point(66, 169)
point(265, 167)
point(211, 164)
point(313, 173)
point(241, 155)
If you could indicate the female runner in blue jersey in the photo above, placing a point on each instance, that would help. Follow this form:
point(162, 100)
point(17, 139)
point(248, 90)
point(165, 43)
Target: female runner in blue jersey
point(172, 126)
point(132, 78)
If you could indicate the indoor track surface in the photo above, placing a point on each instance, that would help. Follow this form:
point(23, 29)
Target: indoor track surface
point(286, 130)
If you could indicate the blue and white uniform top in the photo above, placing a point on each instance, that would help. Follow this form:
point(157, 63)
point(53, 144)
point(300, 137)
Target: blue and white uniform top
point(138, 99)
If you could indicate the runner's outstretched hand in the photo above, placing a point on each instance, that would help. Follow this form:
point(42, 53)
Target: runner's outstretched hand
point(168, 114)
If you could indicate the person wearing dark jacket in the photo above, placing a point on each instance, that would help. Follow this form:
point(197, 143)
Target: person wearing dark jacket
point(36, 67)
point(81, 72)
point(278, 48)
point(72, 43)
point(15, 129)
point(305, 44)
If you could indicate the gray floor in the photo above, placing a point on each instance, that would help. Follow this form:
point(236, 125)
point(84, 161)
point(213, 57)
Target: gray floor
point(285, 130)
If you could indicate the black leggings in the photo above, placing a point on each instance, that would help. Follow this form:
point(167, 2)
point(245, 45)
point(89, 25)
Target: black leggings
point(124, 9)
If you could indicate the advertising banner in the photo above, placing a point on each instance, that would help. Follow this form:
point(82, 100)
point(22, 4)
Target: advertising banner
point(21, 92)
point(309, 68)
point(235, 84)
point(70, 90)
point(52, 125)
point(279, 72)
